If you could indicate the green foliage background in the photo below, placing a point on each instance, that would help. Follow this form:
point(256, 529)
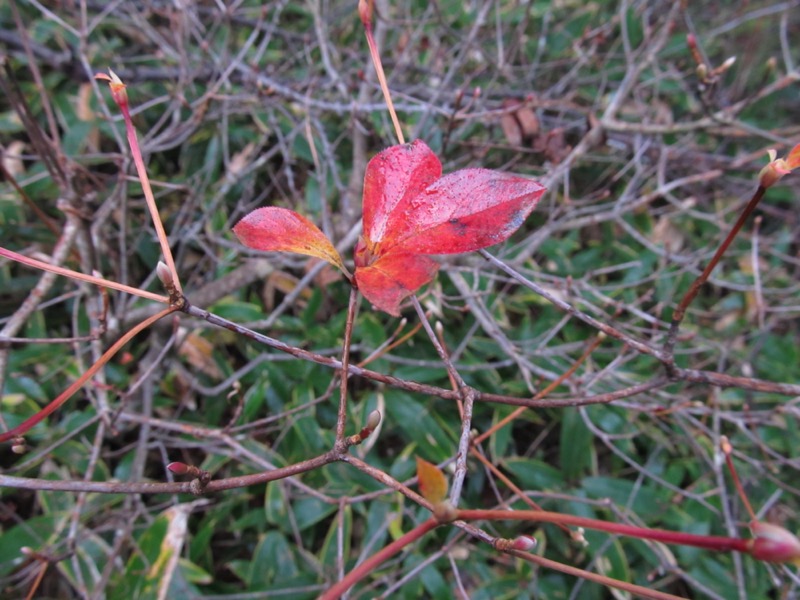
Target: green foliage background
point(275, 103)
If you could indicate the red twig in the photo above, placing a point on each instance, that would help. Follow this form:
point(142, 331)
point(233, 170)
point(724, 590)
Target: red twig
point(709, 542)
point(376, 559)
point(55, 404)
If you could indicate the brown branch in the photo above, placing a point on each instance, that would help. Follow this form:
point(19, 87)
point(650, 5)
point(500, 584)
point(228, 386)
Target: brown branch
point(189, 487)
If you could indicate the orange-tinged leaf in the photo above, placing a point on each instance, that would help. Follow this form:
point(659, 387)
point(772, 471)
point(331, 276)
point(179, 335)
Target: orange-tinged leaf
point(432, 482)
point(392, 278)
point(793, 158)
point(275, 229)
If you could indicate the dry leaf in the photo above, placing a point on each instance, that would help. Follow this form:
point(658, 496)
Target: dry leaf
point(197, 351)
point(279, 281)
point(528, 122)
point(510, 126)
point(326, 276)
point(240, 160)
point(12, 159)
point(86, 114)
point(84, 106)
point(667, 235)
point(555, 146)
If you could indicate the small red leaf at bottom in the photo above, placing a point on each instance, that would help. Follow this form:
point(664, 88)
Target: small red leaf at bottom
point(275, 229)
point(394, 277)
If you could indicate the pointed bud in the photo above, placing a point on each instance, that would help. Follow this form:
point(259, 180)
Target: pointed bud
point(165, 276)
point(691, 43)
point(373, 420)
point(118, 91)
point(778, 167)
point(773, 543)
point(772, 173)
point(178, 468)
point(523, 543)
point(162, 270)
point(365, 12)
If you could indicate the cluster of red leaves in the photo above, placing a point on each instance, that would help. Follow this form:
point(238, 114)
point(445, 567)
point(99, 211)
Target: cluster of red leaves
point(410, 211)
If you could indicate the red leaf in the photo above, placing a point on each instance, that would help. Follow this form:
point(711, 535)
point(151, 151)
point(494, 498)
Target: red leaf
point(393, 277)
point(394, 177)
point(467, 210)
point(274, 229)
point(411, 210)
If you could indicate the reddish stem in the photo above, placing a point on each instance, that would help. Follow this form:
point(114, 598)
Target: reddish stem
point(550, 387)
point(136, 152)
point(376, 559)
point(43, 266)
point(365, 13)
point(341, 418)
point(709, 542)
point(34, 420)
point(596, 577)
point(677, 316)
point(727, 449)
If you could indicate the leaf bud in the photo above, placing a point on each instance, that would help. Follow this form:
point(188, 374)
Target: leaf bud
point(773, 543)
point(365, 12)
point(445, 512)
point(523, 543)
point(373, 420)
point(778, 167)
point(178, 468)
point(165, 275)
point(118, 91)
point(727, 64)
